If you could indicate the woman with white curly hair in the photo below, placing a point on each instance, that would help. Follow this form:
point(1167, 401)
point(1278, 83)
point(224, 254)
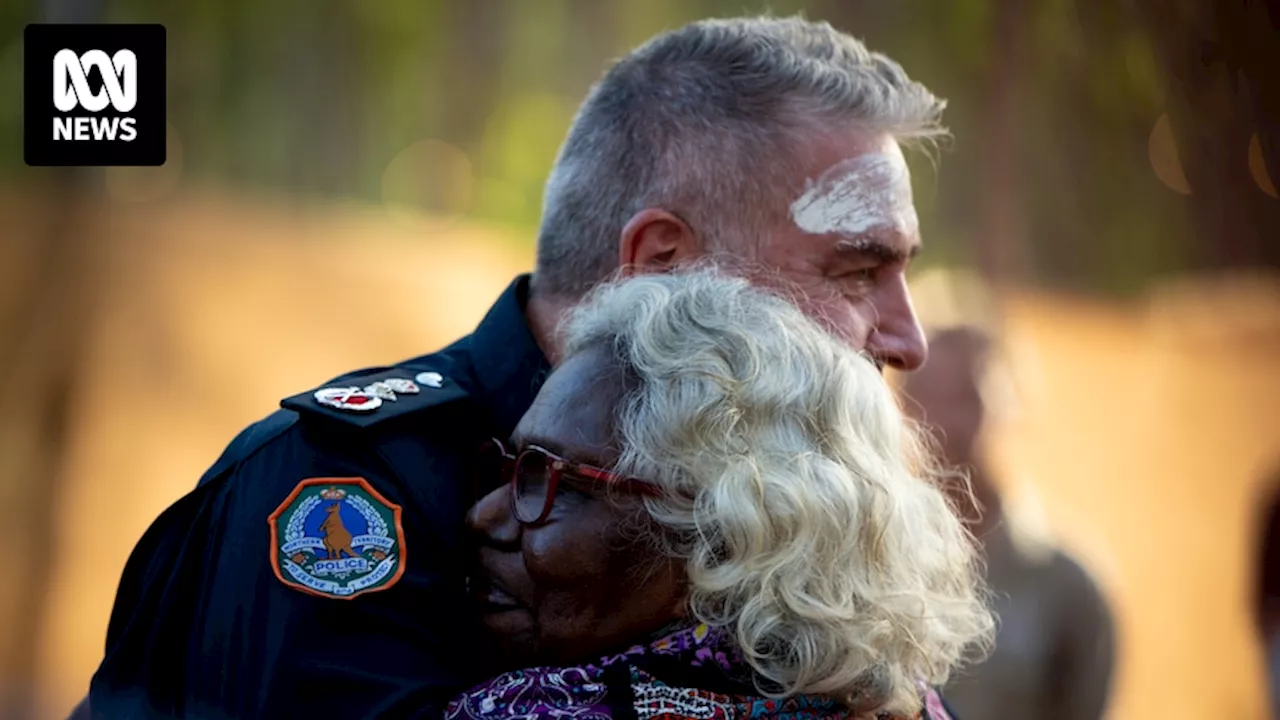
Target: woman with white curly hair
point(714, 509)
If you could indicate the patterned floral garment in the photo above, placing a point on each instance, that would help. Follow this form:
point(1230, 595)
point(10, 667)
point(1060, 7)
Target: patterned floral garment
point(627, 687)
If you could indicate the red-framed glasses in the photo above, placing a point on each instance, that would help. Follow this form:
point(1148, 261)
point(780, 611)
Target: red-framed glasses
point(535, 474)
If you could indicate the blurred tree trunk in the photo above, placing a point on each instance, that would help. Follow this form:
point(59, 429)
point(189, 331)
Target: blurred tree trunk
point(1222, 60)
point(865, 20)
point(39, 363)
point(38, 369)
point(1073, 180)
point(324, 72)
point(475, 56)
point(40, 354)
point(595, 29)
point(1002, 229)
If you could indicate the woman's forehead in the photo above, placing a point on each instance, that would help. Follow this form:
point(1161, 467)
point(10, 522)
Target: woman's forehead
point(573, 414)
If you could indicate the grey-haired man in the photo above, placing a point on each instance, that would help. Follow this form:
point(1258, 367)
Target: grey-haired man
point(774, 144)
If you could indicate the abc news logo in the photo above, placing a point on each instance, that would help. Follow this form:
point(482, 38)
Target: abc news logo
point(94, 95)
point(71, 90)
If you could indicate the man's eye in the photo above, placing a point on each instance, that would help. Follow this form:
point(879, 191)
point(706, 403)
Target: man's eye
point(859, 279)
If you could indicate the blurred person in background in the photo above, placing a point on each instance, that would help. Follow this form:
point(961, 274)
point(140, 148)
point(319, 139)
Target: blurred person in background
point(318, 567)
point(1267, 610)
point(713, 501)
point(1054, 649)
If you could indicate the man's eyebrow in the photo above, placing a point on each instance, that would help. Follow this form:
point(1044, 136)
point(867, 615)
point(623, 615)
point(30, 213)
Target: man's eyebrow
point(871, 247)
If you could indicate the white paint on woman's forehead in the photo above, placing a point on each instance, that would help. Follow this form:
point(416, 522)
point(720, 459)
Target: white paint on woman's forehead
point(856, 195)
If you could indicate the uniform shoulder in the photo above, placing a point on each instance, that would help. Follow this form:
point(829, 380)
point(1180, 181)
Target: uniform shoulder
point(376, 395)
point(249, 441)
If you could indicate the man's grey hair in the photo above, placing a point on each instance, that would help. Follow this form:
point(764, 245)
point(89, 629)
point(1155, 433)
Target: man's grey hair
point(805, 507)
point(709, 122)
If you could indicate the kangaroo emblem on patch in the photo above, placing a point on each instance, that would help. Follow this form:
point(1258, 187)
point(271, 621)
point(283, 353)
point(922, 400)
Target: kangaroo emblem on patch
point(338, 538)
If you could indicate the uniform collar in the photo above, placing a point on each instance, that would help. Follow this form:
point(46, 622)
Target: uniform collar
point(509, 366)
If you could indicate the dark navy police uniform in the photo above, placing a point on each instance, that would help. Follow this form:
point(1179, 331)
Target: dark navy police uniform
point(316, 570)
point(245, 599)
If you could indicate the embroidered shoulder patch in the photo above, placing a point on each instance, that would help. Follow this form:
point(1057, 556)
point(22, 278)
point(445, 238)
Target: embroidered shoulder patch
point(337, 538)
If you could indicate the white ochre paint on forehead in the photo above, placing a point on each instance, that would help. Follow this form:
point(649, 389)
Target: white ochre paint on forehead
point(856, 195)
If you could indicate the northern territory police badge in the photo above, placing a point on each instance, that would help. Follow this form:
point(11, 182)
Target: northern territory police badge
point(338, 538)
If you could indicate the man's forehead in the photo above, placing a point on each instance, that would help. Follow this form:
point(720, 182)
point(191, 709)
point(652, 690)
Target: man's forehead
point(828, 147)
point(860, 190)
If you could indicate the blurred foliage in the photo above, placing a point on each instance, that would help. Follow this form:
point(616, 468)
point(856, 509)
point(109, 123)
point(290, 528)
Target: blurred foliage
point(318, 98)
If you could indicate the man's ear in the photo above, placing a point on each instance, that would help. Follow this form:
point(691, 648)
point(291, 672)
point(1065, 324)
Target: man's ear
point(655, 240)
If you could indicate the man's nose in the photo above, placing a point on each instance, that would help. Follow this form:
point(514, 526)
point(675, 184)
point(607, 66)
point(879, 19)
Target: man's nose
point(898, 340)
point(490, 518)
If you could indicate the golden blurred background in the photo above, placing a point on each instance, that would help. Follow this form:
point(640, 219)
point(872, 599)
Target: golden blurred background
point(352, 183)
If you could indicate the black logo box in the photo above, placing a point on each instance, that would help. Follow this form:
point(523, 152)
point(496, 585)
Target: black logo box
point(41, 43)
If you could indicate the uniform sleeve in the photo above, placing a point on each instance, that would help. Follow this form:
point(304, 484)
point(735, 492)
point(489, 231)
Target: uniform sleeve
point(205, 626)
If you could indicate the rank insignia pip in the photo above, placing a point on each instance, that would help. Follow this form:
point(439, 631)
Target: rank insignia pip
point(430, 379)
point(337, 538)
point(368, 398)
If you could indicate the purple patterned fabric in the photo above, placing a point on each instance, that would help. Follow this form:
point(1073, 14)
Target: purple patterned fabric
point(592, 691)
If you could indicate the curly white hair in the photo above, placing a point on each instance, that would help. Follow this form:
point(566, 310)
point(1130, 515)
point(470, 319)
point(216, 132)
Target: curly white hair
point(803, 501)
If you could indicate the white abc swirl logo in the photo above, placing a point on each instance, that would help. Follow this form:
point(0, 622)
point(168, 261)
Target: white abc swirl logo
point(119, 80)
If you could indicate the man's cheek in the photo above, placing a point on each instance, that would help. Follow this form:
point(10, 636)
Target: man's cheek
point(853, 322)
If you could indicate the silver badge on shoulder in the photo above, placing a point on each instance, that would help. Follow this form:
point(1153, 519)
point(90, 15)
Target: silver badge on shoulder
point(351, 399)
point(387, 389)
point(370, 397)
point(430, 379)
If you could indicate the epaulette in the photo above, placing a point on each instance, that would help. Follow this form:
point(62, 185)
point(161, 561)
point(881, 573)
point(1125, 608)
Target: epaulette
point(376, 395)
